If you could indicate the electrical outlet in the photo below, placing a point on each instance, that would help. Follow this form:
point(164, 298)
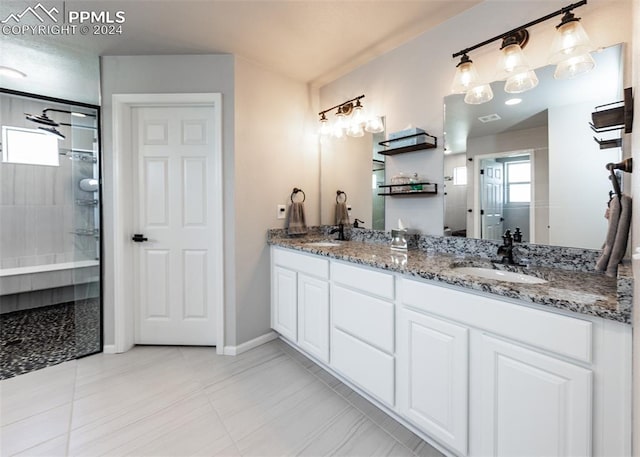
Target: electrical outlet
point(349, 210)
point(282, 210)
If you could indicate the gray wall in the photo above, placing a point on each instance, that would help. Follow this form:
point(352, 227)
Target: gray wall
point(170, 74)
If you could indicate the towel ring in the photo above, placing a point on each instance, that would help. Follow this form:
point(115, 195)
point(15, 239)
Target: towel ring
point(295, 191)
point(338, 193)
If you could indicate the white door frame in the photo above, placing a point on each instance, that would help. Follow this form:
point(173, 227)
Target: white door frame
point(122, 224)
point(477, 220)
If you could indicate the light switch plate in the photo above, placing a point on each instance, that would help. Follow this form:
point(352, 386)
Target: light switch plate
point(349, 210)
point(282, 210)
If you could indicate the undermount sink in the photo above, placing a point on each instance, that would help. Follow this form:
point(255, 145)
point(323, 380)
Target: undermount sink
point(323, 244)
point(499, 275)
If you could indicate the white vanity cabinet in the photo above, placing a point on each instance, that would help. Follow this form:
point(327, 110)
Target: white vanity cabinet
point(531, 403)
point(363, 328)
point(300, 300)
point(477, 375)
point(433, 378)
point(488, 377)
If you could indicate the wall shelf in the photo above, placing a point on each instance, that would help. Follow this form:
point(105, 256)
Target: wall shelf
point(409, 148)
point(431, 190)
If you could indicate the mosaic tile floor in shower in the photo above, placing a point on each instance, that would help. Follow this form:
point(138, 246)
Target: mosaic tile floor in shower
point(40, 337)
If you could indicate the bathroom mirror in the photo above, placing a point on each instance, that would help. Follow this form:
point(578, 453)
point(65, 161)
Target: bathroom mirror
point(529, 160)
point(354, 166)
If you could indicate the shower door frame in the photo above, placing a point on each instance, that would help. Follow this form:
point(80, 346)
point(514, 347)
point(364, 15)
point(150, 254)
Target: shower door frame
point(98, 111)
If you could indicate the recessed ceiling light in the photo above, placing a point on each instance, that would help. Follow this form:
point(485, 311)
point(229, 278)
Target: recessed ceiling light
point(11, 72)
point(513, 101)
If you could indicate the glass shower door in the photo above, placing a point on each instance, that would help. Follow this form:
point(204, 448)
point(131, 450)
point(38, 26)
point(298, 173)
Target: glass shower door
point(50, 246)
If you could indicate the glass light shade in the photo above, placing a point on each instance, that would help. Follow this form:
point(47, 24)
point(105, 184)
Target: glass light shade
point(339, 127)
point(358, 117)
point(355, 130)
point(570, 41)
point(325, 128)
point(465, 78)
point(479, 94)
point(511, 62)
point(374, 125)
point(574, 66)
point(521, 82)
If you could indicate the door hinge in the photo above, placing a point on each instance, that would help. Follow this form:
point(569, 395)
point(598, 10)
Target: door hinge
point(482, 212)
point(482, 171)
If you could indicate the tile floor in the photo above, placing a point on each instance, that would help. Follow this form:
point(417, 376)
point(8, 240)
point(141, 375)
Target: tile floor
point(180, 401)
point(36, 338)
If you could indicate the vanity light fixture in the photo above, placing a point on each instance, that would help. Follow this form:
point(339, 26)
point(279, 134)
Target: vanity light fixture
point(570, 52)
point(350, 120)
point(11, 72)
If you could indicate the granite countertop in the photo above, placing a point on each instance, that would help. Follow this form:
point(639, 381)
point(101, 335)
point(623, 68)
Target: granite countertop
point(578, 291)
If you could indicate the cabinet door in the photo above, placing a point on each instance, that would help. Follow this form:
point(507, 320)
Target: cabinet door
point(433, 376)
point(532, 404)
point(313, 316)
point(283, 302)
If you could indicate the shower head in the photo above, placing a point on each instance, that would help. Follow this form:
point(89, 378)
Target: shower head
point(53, 131)
point(42, 119)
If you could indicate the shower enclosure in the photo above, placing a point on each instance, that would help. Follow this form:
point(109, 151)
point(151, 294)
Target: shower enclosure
point(50, 244)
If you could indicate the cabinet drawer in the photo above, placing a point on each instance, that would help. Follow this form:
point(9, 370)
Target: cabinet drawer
point(309, 264)
point(563, 335)
point(371, 369)
point(368, 318)
point(369, 281)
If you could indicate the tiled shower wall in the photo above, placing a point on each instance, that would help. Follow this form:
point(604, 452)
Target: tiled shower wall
point(38, 210)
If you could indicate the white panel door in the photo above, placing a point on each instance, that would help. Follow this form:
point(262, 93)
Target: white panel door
point(175, 268)
point(492, 195)
point(313, 316)
point(433, 376)
point(284, 299)
point(532, 404)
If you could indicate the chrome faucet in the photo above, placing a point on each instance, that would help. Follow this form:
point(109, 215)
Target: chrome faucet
point(506, 250)
point(340, 231)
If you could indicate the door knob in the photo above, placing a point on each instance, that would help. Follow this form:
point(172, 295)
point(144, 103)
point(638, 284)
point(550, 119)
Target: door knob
point(139, 238)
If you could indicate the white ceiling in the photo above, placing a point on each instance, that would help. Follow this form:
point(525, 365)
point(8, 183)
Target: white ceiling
point(312, 41)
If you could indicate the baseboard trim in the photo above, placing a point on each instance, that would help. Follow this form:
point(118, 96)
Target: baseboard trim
point(248, 345)
point(109, 349)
